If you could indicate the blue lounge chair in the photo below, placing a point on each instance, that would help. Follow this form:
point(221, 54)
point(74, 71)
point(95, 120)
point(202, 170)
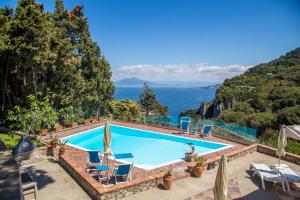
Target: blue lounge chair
point(206, 131)
point(124, 171)
point(94, 163)
point(94, 158)
point(185, 124)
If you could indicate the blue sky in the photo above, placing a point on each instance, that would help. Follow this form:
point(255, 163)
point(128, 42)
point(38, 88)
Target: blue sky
point(195, 40)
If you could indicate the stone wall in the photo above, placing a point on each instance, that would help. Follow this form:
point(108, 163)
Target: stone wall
point(33, 156)
point(131, 190)
point(79, 179)
point(213, 162)
point(98, 193)
point(293, 158)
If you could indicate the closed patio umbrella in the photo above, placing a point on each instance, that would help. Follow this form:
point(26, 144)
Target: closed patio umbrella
point(221, 183)
point(282, 142)
point(107, 140)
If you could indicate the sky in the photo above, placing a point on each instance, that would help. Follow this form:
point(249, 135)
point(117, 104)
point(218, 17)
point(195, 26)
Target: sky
point(188, 40)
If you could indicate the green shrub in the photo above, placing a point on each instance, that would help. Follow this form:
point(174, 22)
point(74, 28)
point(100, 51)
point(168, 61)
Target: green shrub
point(37, 114)
point(125, 110)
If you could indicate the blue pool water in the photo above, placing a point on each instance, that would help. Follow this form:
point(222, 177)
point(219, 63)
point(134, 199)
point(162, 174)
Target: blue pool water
point(150, 149)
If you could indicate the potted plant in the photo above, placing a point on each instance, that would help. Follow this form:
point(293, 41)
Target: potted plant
point(54, 142)
point(57, 127)
point(100, 118)
point(74, 124)
point(191, 155)
point(93, 120)
point(43, 132)
point(62, 147)
point(198, 169)
point(80, 121)
point(87, 122)
point(167, 180)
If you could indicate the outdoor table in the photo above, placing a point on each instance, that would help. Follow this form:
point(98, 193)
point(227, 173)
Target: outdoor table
point(123, 156)
point(103, 168)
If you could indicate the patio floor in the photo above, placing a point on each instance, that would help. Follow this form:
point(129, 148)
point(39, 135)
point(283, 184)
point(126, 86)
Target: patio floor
point(55, 183)
point(241, 184)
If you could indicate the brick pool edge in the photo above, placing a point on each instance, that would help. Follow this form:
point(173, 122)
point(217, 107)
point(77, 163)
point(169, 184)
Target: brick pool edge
point(94, 189)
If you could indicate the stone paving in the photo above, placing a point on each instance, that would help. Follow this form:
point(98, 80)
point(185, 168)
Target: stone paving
point(53, 183)
point(233, 192)
point(242, 185)
point(9, 177)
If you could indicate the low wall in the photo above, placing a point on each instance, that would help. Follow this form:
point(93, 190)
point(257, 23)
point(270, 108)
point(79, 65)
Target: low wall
point(293, 158)
point(98, 192)
point(213, 162)
point(80, 179)
point(33, 156)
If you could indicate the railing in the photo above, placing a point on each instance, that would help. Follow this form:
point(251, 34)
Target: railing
point(198, 123)
point(242, 131)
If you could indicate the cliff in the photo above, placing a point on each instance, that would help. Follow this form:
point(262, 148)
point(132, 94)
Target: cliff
point(264, 97)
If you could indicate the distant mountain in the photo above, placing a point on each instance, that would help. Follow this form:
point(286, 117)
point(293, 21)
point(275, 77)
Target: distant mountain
point(132, 82)
point(186, 84)
point(136, 82)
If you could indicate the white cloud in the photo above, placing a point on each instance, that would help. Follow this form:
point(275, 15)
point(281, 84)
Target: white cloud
point(202, 72)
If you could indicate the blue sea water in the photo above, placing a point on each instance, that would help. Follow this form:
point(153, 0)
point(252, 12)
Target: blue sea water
point(177, 99)
point(150, 149)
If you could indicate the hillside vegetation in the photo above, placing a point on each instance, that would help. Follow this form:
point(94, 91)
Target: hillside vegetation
point(265, 97)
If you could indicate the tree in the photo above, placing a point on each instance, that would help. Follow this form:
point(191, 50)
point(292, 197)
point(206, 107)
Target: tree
point(52, 54)
point(126, 110)
point(149, 103)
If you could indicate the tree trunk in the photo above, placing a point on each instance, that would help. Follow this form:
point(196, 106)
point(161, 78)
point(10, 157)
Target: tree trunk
point(5, 84)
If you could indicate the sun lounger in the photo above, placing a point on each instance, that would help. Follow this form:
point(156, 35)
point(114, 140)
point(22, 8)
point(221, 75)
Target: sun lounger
point(290, 175)
point(206, 131)
point(267, 174)
point(184, 126)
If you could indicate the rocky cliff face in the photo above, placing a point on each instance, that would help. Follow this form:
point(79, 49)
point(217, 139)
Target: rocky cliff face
point(214, 109)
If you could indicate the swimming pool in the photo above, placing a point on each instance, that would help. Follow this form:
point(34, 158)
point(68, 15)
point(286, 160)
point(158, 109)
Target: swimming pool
point(150, 149)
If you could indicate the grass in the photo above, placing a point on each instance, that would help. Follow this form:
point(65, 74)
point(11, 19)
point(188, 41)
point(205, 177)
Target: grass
point(293, 146)
point(11, 140)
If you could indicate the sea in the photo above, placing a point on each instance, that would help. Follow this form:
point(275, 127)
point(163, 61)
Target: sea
point(177, 99)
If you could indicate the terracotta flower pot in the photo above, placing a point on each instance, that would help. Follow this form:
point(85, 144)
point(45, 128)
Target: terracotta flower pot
point(57, 128)
point(53, 145)
point(43, 132)
point(93, 120)
point(167, 181)
point(74, 124)
point(61, 151)
point(198, 171)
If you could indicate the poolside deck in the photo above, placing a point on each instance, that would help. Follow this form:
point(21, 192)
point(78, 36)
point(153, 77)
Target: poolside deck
point(241, 185)
point(144, 183)
point(55, 183)
point(75, 159)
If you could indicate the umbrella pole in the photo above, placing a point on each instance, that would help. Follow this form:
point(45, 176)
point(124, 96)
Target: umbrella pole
point(278, 164)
